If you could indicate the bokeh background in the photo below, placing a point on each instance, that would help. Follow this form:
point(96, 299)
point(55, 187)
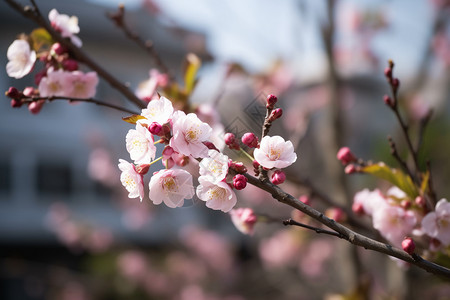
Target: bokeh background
point(68, 230)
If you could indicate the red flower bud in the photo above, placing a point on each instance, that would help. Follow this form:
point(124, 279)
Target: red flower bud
point(305, 199)
point(239, 182)
point(358, 208)
point(155, 128)
point(388, 72)
point(388, 101)
point(211, 146)
point(36, 106)
point(408, 245)
point(230, 141)
point(142, 169)
point(59, 49)
point(250, 140)
point(278, 177)
point(275, 114)
point(350, 169)
point(70, 65)
point(13, 93)
point(345, 155)
point(16, 103)
point(271, 101)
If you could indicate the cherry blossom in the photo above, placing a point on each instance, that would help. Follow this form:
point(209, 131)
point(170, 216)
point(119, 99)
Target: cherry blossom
point(217, 196)
point(214, 168)
point(244, 219)
point(140, 145)
point(147, 89)
point(21, 59)
point(171, 187)
point(369, 200)
point(158, 110)
point(67, 26)
point(131, 180)
point(393, 222)
point(437, 224)
point(81, 85)
point(274, 152)
point(189, 133)
point(54, 84)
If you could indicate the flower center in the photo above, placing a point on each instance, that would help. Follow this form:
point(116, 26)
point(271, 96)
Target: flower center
point(274, 153)
point(192, 134)
point(128, 182)
point(216, 193)
point(169, 184)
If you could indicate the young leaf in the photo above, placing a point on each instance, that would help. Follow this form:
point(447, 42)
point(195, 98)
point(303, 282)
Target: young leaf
point(133, 119)
point(394, 176)
point(193, 64)
point(41, 39)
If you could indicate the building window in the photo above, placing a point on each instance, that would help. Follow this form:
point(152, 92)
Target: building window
point(54, 179)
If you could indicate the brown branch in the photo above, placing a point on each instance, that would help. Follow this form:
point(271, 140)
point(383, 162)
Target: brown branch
point(402, 163)
point(317, 230)
point(35, 15)
point(119, 19)
point(71, 99)
point(347, 234)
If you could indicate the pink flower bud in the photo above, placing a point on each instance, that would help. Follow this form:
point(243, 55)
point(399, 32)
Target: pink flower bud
point(345, 155)
point(211, 146)
point(70, 65)
point(275, 114)
point(13, 93)
point(405, 204)
point(358, 208)
point(395, 83)
point(250, 140)
point(16, 103)
point(244, 219)
point(350, 169)
point(336, 214)
point(28, 91)
point(305, 199)
point(420, 201)
point(271, 101)
point(180, 159)
point(230, 141)
point(155, 128)
point(167, 152)
point(237, 166)
point(59, 49)
point(388, 101)
point(142, 169)
point(239, 181)
point(388, 72)
point(36, 106)
point(278, 177)
point(408, 245)
point(256, 167)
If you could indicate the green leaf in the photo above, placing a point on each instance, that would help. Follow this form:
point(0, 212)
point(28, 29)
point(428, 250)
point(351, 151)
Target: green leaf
point(424, 185)
point(133, 119)
point(394, 176)
point(41, 39)
point(193, 64)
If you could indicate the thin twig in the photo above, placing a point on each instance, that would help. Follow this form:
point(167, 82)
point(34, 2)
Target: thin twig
point(290, 221)
point(71, 99)
point(402, 163)
point(34, 14)
point(119, 19)
point(347, 234)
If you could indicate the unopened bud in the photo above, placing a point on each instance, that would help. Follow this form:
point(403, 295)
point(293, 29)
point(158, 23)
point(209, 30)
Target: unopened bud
point(388, 72)
point(13, 93)
point(143, 169)
point(395, 83)
point(239, 181)
point(305, 199)
point(230, 141)
point(36, 106)
point(211, 146)
point(271, 101)
point(250, 140)
point(167, 152)
point(405, 204)
point(388, 101)
point(350, 169)
point(59, 49)
point(70, 65)
point(345, 155)
point(155, 128)
point(29, 91)
point(275, 114)
point(278, 177)
point(237, 166)
point(336, 214)
point(16, 103)
point(408, 245)
point(255, 167)
point(358, 208)
point(420, 201)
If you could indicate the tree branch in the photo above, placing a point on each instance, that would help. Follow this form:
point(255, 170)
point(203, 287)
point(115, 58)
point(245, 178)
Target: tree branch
point(35, 15)
point(347, 234)
point(317, 230)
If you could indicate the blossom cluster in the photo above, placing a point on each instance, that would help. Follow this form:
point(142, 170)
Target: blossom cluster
point(397, 217)
point(60, 76)
point(187, 141)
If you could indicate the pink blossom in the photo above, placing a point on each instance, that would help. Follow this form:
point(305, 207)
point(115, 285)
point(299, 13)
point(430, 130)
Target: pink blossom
point(21, 59)
point(54, 84)
point(171, 187)
point(214, 168)
point(274, 152)
point(158, 110)
point(393, 222)
point(147, 89)
point(189, 133)
point(67, 26)
point(218, 196)
point(131, 180)
point(369, 201)
point(345, 155)
point(140, 145)
point(244, 219)
point(437, 224)
point(81, 85)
